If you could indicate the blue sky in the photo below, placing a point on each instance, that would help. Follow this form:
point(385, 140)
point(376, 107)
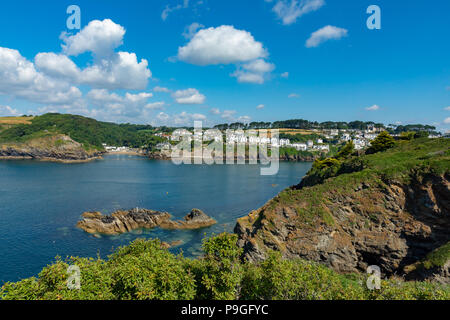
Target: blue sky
point(247, 60)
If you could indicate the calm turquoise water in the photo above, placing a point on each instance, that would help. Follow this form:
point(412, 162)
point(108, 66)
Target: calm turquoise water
point(40, 203)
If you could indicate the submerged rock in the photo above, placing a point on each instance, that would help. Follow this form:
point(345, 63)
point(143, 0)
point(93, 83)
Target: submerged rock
point(126, 221)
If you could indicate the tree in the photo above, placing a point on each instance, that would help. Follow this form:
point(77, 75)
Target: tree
point(346, 150)
point(383, 142)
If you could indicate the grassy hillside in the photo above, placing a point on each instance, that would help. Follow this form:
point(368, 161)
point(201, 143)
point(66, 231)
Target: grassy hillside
point(397, 163)
point(389, 208)
point(327, 178)
point(89, 132)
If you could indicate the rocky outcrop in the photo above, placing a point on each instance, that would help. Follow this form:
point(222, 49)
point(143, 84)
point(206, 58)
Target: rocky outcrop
point(373, 222)
point(51, 148)
point(165, 155)
point(300, 158)
point(157, 155)
point(126, 221)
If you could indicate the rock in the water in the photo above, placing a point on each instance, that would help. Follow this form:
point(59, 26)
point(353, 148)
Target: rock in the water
point(126, 221)
point(196, 219)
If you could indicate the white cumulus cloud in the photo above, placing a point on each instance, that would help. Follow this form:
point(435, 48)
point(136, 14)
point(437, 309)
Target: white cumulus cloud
point(188, 96)
point(254, 71)
point(324, 34)
point(20, 79)
point(221, 45)
point(227, 45)
point(99, 37)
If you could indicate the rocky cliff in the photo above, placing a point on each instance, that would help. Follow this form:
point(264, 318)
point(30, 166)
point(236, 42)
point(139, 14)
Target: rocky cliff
point(51, 147)
point(126, 221)
point(391, 214)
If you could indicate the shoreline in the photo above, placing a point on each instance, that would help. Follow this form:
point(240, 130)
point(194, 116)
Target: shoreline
point(151, 156)
point(49, 159)
point(131, 153)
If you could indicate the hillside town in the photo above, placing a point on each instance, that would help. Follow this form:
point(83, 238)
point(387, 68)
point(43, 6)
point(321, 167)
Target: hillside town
point(326, 138)
point(313, 140)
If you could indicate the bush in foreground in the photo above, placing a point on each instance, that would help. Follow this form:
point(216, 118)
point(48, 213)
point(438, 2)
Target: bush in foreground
point(143, 270)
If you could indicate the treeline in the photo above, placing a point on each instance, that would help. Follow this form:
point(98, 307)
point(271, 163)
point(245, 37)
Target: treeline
point(300, 124)
point(413, 128)
point(84, 130)
point(309, 125)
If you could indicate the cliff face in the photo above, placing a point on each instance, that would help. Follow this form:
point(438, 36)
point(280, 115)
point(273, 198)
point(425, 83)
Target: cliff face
point(53, 147)
point(126, 221)
point(355, 220)
point(389, 225)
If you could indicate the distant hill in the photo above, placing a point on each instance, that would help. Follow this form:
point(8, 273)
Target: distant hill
point(89, 132)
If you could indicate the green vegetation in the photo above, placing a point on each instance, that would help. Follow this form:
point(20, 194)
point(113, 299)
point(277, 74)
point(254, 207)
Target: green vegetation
point(286, 152)
point(302, 124)
point(416, 128)
point(438, 257)
point(387, 160)
point(333, 178)
point(145, 271)
point(299, 138)
point(382, 142)
point(346, 151)
point(89, 132)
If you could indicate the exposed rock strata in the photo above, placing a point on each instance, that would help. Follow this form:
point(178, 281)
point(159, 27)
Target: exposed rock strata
point(126, 221)
point(387, 224)
point(51, 148)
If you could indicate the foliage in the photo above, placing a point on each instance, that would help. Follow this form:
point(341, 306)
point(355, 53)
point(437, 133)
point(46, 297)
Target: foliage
point(218, 274)
point(300, 124)
point(143, 270)
point(382, 142)
point(279, 279)
point(346, 150)
point(285, 152)
point(140, 271)
point(438, 257)
point(89, 132)
point(408, 135)
point(414, 128)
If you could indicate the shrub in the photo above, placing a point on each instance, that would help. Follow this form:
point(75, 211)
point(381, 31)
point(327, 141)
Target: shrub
point(346, 150)
point(382, 142)
point(218, 274)
point(279, 279)
point(145, 271)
